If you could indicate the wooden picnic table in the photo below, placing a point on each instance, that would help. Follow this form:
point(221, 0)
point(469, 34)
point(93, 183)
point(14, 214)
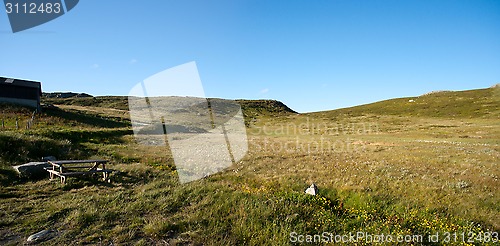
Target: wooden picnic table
point(68, 168)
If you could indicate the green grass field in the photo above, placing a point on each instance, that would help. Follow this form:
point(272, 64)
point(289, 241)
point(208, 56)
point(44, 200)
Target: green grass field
point(400, 168)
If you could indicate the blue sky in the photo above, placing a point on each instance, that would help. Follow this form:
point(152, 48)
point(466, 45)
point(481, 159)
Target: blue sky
point(312, 55)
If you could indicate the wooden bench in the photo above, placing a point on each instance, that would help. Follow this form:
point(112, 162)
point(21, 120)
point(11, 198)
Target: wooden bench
point(66, 168)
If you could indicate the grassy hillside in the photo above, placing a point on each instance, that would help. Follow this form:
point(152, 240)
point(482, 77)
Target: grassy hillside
point(380, 168)
point(116, 102)
point(482, 103)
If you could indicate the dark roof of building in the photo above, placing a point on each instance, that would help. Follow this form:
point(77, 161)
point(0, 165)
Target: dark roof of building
point(20, 82)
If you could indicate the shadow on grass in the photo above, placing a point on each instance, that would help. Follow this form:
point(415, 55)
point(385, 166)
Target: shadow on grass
point(17, 149)
point(8, 177)
point(79, 182)
point(84, 136)
point(130, 179)
point(88, 119)
point(117, 179)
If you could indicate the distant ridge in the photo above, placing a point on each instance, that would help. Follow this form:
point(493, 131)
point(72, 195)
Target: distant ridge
point(435, 92)
point(251, 108)
point(482, 103)
point(266, 106)
point(64, 95)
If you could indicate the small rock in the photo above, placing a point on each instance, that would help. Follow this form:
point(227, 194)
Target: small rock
point(41, 236)
point(312, 190)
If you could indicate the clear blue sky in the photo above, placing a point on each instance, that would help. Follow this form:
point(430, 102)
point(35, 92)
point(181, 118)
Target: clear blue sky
point(312, 55)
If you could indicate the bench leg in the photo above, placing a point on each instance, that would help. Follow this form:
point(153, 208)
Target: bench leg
point(105, 176)
point(51, 174)
point(63, 180)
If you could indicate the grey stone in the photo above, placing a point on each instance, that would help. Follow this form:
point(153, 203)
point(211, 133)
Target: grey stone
point(32, 169)
point(41, 236)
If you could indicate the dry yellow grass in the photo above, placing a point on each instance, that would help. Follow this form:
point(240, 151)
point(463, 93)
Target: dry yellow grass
point(398, 174)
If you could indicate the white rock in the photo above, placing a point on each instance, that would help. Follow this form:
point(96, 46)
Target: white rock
point(312, 190)
point(40, 236)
